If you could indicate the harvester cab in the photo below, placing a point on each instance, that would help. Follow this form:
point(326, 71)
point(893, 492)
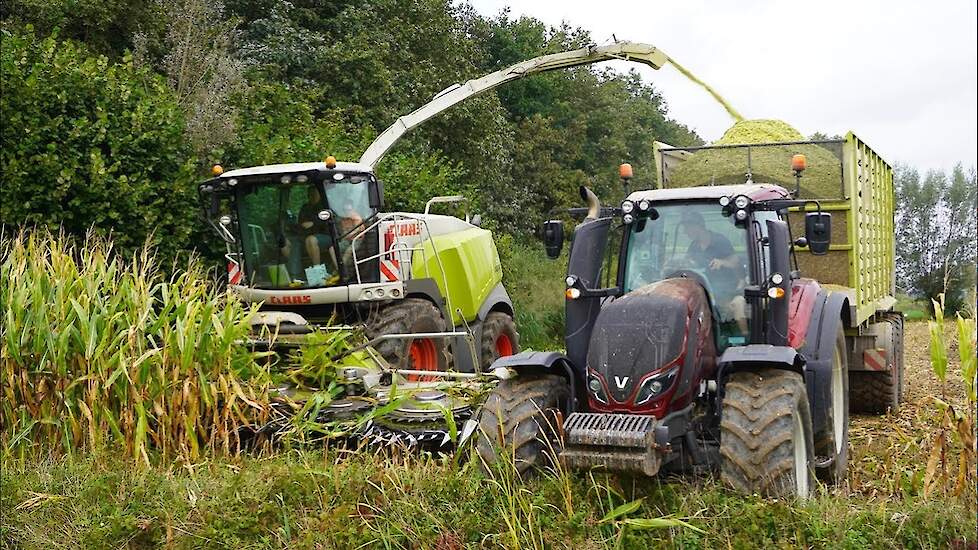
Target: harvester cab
point(692, 343)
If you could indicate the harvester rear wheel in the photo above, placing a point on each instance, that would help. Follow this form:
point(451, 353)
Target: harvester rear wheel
point(766, 434)
point(499, 338)
point(520, 422)
point(879, 392)
point(410, 315)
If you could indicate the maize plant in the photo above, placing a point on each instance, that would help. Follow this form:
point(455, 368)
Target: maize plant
point(100, 350)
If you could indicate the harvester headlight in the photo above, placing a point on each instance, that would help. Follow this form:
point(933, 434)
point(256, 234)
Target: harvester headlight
point(232, 182)
point(368, 295)
point(724, 201)
point(627, 207)
point(644, 205)
point(628, 218)
point(302, 178)
point(324, 215)
point(225, 220)
point(286, 179)
point(654, 386)
point(777, 278)
point(741, 215)
point(741, 201)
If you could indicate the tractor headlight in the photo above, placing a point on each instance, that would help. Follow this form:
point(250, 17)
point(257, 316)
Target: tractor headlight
point(654, 386)
point(627, 207)
point(597, 389)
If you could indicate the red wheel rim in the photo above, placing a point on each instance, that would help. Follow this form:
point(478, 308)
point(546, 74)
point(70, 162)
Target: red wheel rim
point(504, 346)
point(424, 356)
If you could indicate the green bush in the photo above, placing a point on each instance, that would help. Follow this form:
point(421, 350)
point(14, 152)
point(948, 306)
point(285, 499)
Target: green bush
point(90, 143)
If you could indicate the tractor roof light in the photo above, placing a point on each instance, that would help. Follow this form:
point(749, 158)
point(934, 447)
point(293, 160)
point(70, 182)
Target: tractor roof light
point(627, 207)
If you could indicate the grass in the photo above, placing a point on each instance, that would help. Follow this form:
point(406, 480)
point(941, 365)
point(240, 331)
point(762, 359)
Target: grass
point(536, 286)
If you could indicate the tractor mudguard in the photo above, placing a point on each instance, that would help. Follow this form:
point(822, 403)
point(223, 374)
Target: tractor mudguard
point(818, 351)
point(754, 356)
point(545, 362)
point(586, 255)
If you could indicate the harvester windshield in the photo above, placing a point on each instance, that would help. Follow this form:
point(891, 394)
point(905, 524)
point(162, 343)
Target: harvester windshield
point(694, 239)
point(297, 232)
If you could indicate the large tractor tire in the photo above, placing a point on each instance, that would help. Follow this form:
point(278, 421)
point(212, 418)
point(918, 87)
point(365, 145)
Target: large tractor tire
point(411, 315)
point(879, 392)
point(832, 443)
point(766, 434)
point(499, 338)
point(520, 422)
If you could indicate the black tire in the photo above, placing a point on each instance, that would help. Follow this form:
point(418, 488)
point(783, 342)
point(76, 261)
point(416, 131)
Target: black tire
point(410, 315)
point(880, 392)
point(766, 434)
point(498, 325)
point(832, 460)
point(520, 422)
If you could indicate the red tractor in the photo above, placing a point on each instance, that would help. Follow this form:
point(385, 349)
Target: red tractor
point(694, 343)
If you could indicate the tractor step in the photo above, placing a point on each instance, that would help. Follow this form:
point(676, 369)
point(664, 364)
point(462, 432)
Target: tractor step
point(621, 442)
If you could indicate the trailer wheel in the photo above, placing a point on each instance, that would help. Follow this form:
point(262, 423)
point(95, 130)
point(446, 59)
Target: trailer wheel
point(410, 315)
point(879, 392)
point(766, 434)
point(520, 422)
point(499, 338)
point(832, 445)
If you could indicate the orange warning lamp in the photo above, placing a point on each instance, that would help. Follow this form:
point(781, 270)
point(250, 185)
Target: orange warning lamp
point(625, 171)
point(799, 162)
point(330, 162)
point(217, 170)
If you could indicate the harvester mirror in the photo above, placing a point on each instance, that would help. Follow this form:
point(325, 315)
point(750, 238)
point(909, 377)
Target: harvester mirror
point(818, 232)
point(553, 238)
point(376, 194)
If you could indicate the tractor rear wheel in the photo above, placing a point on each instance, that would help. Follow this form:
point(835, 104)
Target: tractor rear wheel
point(499, 338)
point(520, 422)
point(410, 315)
point(766, 434)
point(879, 392)
point(832, 444)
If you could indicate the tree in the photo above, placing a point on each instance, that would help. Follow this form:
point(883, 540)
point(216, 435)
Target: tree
point(936, 232)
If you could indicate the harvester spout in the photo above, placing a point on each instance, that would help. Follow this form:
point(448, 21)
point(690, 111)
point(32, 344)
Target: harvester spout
point(593, 204)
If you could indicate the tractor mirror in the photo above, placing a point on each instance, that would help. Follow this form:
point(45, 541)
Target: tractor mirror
point(376, 192)
point(818, 232)
point(553, 238)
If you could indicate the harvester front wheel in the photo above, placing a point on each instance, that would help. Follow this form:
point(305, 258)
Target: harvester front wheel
point(520, 422)
point(499, 338)
point(766, 434)
point(410, 315)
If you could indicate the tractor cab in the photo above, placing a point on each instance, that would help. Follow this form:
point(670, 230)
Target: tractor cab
point(295, 226)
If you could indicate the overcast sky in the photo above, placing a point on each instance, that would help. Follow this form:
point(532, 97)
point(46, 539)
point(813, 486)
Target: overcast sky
point(901, 75)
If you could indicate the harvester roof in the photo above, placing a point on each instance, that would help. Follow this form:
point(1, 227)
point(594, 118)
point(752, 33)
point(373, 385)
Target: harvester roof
point(295, 167)
point(755, 191)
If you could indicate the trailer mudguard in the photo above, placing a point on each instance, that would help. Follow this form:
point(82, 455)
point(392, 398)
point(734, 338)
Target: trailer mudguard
point(829, 312)
point(546, 362)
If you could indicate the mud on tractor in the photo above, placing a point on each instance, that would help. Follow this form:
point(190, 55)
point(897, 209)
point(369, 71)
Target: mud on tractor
point(695, 337)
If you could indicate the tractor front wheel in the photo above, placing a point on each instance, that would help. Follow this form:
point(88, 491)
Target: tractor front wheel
point(520, 422)
point(410, 316)
point(766, 434)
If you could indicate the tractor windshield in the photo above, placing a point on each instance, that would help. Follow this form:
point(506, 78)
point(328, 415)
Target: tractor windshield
point(297, 232)
point(694, 238)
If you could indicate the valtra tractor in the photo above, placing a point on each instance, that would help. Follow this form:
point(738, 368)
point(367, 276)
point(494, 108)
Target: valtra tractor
point(695, 342)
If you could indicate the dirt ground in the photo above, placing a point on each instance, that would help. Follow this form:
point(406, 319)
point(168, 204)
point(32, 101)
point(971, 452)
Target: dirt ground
point(889, 453)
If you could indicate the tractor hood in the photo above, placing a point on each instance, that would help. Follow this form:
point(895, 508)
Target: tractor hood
point(646, 333)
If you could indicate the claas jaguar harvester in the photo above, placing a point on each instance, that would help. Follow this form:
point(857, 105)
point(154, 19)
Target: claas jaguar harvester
point(719, 324)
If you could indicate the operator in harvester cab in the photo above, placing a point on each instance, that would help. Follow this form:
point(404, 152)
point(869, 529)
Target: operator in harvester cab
point(712, 253)
point(315, 230)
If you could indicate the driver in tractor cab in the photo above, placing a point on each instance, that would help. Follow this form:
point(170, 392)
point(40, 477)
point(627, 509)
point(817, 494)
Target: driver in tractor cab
point(316, 231)
point(713, 253)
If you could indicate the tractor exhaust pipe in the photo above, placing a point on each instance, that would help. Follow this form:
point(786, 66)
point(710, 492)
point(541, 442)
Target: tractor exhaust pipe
point(593, 204)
